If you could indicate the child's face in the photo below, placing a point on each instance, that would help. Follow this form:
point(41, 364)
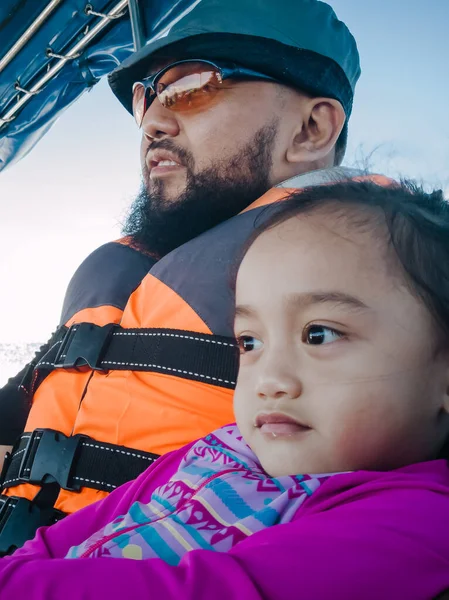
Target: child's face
point(339, 369)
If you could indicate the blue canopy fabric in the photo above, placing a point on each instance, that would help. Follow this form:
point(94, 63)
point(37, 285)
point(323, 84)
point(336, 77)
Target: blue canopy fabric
point(64, 27)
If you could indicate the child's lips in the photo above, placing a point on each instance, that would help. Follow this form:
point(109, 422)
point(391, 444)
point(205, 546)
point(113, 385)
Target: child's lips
point(279, 424)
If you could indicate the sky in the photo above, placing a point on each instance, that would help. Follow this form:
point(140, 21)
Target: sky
point(70, 194)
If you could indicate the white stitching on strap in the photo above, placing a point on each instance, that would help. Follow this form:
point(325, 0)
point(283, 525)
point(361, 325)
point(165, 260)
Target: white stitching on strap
point(158, 334)
point(176, 335)
point(11, 481)
point(37, 437)
point(124, 364)
point(19, 452)
point(28, 469)
point(84, 444)
point(87, 445)
point(97, 482)
point(48, 363)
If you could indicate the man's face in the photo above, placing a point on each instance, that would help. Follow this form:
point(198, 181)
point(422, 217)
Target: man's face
point(206, 138)
point(201, 167)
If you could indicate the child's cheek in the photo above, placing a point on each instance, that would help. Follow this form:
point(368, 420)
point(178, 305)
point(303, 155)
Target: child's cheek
point(364, 434)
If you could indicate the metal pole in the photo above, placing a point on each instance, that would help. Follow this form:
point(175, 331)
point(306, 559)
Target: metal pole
point(71, 54)
point(24, 39)
point(137, 27)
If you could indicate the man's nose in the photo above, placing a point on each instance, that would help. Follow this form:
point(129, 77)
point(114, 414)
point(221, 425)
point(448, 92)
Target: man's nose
point(159, 122)
point(279, 379)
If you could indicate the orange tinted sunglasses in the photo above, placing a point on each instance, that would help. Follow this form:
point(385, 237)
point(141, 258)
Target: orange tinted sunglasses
point(187, 85)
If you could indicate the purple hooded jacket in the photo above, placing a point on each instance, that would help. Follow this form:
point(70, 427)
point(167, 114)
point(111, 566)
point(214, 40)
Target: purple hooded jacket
point(367, 535)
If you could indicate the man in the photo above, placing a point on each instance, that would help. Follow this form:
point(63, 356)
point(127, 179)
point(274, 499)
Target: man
point(239, 96)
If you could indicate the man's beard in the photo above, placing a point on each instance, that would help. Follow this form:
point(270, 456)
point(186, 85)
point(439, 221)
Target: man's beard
point(212, 196)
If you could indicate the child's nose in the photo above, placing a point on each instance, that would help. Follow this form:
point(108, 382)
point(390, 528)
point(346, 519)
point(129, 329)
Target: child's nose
point(277, 382)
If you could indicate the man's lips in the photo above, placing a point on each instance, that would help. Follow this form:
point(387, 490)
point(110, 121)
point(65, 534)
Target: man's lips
point(279, 424)
point(160, 161)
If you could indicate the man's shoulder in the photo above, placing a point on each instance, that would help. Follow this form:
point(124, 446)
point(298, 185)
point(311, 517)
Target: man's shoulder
point(124, 249)
point(108, 276)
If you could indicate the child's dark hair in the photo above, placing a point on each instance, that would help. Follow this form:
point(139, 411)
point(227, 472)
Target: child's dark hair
point(417, 228)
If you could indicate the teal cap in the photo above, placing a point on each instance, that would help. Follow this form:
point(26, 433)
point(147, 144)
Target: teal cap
point(301, 30)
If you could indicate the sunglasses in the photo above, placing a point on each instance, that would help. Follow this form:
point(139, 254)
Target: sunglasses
point(187, 85)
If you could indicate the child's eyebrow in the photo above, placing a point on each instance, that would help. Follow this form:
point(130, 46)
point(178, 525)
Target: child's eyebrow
point(309, 298)
point(244, 311)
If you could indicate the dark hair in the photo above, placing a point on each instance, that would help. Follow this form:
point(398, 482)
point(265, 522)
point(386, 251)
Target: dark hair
point(417, 228)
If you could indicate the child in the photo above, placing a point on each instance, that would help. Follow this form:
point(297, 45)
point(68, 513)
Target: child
point(342, 320)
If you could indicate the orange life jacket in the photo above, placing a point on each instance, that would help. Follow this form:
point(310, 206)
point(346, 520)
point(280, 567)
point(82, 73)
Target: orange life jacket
point(156, 412)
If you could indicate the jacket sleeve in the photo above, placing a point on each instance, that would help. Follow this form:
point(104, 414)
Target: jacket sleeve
point(54, 542)
point(346, 553)
point(14, 409)
point(14, 402)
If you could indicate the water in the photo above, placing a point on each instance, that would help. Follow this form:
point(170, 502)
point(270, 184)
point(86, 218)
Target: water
point(13, 357)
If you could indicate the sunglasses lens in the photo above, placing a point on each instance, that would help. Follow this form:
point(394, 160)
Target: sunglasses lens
point(188, 86)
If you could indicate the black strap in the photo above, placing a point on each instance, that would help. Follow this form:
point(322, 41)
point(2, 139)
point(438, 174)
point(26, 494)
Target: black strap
point(52, 460)
point(34, 376)
point(187, 354)
point(20, 519)
point(73, 462)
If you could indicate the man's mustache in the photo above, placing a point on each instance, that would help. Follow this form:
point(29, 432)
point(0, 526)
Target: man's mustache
point(181, 154)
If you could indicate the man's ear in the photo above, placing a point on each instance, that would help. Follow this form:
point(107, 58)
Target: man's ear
point(315, 137)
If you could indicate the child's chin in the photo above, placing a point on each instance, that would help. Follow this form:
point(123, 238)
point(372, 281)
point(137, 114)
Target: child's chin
point(281, 468)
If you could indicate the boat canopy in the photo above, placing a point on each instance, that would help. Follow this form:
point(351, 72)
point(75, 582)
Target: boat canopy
point(51, 52)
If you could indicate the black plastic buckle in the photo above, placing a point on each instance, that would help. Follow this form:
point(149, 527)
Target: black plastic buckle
point(6, 462)
point(50, 458)
point(84, 345)
point(19, 521)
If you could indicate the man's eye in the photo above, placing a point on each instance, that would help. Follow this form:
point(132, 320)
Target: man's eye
point(247, 343)
point(317, 335)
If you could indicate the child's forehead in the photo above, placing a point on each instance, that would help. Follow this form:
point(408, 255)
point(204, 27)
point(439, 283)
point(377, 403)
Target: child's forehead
point(327, 229)
point(307, 257)
point(323, 245)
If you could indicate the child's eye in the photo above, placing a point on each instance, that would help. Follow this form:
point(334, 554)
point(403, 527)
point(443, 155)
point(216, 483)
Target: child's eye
point(317, 335)
point(248, 343)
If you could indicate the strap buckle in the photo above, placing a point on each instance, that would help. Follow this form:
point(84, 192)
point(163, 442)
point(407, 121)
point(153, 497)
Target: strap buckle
point(6, 464)
point(49, 456)
point(84, 345)
point(19, 520)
